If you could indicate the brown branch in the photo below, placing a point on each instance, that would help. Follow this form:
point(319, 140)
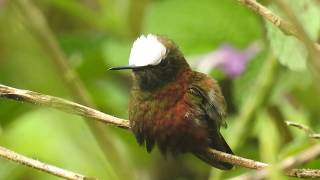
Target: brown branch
point(60, 104)
point(237, 160)
point(288, 164)
point(74, 108)
point(21, 159)
point(258, 8)
point(307, 155)
point(306, 129)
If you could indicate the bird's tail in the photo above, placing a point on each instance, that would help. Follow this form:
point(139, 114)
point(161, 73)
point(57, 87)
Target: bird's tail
point(219, 144)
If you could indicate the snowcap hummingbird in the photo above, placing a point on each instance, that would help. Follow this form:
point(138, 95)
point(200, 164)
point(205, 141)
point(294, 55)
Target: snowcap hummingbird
point(171, 106)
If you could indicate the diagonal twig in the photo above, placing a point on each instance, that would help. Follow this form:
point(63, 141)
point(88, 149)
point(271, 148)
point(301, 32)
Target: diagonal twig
point(60, 104)
point(56, 171)
point(306, 129)
point(258, 8)
point(288, 164)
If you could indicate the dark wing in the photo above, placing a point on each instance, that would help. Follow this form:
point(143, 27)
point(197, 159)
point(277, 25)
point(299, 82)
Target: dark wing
point(213, 102)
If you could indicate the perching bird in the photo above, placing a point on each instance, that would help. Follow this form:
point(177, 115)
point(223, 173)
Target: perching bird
point(177, 109)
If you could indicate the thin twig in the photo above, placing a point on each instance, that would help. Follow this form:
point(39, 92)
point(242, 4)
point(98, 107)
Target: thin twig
point(74, 108)
point(236, 160)
point(21, 159)
point(294, 161)
point(61, 104)
point(306, 129)
point(288, 164)
point(258, 8)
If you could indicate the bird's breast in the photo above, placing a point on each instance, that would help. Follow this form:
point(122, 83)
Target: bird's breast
point(166, 118)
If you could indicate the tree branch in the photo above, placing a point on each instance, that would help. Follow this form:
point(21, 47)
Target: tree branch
point(306, 129)
point(74, 108)
point(60, 104)
point(21, 159)
point(258, 8)
point(288, 164)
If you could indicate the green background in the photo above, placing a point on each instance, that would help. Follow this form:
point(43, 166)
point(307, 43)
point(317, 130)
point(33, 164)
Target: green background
point(94, 35)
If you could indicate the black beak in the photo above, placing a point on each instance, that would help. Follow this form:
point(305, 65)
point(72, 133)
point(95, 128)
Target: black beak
point(127, 67)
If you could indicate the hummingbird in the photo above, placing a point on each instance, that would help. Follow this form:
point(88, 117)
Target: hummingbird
point(172, 106)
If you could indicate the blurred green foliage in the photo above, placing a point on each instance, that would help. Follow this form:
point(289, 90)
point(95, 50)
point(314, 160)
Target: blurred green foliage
point(290, 51)
point(97, 34)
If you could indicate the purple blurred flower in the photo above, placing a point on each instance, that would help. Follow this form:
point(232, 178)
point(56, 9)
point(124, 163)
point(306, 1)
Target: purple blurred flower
point(230, 60)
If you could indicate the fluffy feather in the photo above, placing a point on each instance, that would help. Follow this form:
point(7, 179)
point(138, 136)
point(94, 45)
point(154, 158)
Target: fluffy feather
point(147, 50)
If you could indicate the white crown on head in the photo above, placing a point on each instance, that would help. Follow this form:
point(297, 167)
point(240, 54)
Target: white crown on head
point(147, 50)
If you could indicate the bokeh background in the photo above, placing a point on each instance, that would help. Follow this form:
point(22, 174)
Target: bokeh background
point(64, 48)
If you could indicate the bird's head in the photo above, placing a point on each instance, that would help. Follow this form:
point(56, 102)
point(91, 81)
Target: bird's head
point(154, 60)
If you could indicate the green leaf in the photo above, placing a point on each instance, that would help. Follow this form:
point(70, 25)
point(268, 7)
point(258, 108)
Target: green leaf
point(288, 49)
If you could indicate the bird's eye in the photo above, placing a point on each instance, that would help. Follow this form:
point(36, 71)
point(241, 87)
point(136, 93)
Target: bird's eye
point(164, 62)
